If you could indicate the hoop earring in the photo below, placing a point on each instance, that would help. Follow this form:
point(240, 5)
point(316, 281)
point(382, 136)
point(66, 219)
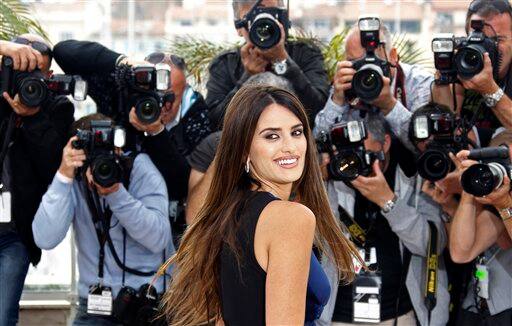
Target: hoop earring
point(247, 166)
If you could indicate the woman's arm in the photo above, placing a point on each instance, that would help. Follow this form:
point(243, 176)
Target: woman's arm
point(283, 244)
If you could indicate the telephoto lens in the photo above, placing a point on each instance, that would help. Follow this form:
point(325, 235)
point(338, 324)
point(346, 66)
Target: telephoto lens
point(31, 88)
point(105, 170)
point(264, 31)
point(483, 178)
point(470, 60)
point(367, 82)
point(147, 110)
point(347, 166)
point(434, 164)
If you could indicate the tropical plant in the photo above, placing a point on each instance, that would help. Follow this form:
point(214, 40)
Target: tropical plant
point(15, 19)
point(198, 53)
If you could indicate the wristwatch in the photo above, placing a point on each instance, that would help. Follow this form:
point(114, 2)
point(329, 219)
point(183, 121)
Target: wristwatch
point(505, 213)
point(280, 67)
point(389, 205)
point(491, 100)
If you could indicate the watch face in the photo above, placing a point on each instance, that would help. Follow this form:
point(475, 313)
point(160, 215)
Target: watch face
point(280, 68)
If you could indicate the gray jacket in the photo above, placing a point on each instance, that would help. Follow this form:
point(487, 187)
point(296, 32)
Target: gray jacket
point(408, 219)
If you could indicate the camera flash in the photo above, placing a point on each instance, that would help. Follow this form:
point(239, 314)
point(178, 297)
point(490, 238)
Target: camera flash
point(421, 127)
point(119, 137)
point(354, 132)
point(163, 76)
point(443, 43)
point(80, 90)
point(369, 23)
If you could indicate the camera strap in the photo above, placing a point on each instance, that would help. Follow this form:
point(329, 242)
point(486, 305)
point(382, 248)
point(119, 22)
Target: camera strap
point(400, 85)
point(357, 233)
point(432, 268)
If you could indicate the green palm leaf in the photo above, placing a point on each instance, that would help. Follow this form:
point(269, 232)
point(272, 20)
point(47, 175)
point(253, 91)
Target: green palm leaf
point(15, 19)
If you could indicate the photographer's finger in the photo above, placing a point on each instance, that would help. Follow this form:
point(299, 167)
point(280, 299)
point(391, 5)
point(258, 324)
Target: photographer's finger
point(32, 61)
point(454, 159)
point(343, 64)
point(24, 63)
point(39, 58)
point(463, 155)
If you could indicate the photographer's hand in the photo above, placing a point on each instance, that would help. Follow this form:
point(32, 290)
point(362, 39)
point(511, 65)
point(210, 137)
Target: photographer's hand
point(253, 62)
point(483, 82)
point(21, 109)
point(375, 188)
point(451, 183)
point(101, 191)
point(342, 81)
point(24, 57)
point(71, 159)
point(386, 101)
point(446, 200)
point(324, 162)
point(499, 198)
point(152, 129)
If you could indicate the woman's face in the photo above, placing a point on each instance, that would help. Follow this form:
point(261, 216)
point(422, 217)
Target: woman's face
point(278, 148)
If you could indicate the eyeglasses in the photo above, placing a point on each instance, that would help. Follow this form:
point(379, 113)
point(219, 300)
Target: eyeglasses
point(43, 48)
point(157, 57)
point(500, 5)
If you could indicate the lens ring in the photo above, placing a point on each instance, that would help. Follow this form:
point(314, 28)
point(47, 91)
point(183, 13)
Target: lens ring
point(264, 32)
point(32, 91)
point(367, 83)
point(346, 166)
point(434, 165)
point(147, 109)
point(469, 60)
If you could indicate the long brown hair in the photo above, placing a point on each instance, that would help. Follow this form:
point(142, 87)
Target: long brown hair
point(194, 293)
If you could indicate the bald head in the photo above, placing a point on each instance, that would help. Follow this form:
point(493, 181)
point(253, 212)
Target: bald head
point(354, 49)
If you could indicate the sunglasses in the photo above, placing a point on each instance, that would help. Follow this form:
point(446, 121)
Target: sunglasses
point(36, 45)
point(500, 5)
point(157, 57)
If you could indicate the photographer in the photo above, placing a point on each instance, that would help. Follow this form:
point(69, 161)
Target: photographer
point(388, 218)
point(299, 62)
point(477, 234)
point(180, 127)
point(122, 217)
point(31, 139)
point(489, 92)
point(404, 88)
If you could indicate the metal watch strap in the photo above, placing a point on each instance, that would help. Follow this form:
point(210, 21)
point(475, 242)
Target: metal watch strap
point(389, 205)
point(492, 99)
point(505, 213)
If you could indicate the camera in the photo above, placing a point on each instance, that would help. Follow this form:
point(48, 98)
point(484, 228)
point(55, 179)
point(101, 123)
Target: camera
point(99, 145)
point(483, 178)
point(367, 82)
point(351, 159)
point(145, 87)
point(132, 307)
point(435, 163)
point(262, 24)
point(33, 88)
point(463, 57)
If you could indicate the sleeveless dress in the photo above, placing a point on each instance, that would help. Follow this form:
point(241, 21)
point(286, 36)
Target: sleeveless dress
point(243, 285)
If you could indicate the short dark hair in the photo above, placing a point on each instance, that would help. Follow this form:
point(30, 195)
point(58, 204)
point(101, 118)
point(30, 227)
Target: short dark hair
point(237, 5)
point(487, 8)
point(378, 126)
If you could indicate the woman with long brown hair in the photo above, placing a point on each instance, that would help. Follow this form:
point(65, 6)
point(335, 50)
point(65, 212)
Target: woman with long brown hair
point(247, 258)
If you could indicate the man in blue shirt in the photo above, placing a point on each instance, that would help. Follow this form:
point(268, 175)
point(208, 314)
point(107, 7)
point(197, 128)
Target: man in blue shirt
point(139, 228)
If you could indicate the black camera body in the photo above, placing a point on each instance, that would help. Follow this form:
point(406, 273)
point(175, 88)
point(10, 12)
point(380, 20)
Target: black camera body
point(350, 159)
point(367, 82)
point(99, 145)
point(137, 308)
point(435, 163)
point(145, 87)
point(33, 88)
point(261, 22)
point(483, 178)
point(464, 58)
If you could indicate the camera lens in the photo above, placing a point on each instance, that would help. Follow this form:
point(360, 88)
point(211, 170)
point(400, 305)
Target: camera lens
point(346, 166)
point(433, 165)
point(264, 31)
point(105, 171)
point(367, 82)
point(31, 88)
point(481, 179)
point(470, 61)
point(147, 110)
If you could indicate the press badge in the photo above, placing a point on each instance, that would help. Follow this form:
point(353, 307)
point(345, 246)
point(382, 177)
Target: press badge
point(99, 301)
point(366, 298)
point(482, 275)
point(5, 206)
point(369, 257)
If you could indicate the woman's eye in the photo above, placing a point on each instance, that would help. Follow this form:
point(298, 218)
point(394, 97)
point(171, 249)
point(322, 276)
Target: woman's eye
point(297, 132)
point(272, 136)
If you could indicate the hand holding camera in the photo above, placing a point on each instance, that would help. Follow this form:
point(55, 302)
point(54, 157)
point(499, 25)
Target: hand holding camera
point(278, 51)
point(71, 159)
point(342, 81)
point(252, 60)
point(152, 128)
point(24, 57)
point(102, 191)
point(18, 107)
point(482, 82)
point(375, 187)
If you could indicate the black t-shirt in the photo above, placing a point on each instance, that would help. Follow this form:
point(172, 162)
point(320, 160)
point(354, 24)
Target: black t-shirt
point(389, 259)
point(204, 153)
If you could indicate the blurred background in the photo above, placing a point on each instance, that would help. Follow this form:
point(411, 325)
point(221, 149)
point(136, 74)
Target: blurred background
point(196, 30)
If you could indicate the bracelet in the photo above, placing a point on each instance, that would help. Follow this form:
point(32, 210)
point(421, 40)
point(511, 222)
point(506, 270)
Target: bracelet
point(505, 213)
point(148, 134)
point(389, 205)
point(120, 58)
